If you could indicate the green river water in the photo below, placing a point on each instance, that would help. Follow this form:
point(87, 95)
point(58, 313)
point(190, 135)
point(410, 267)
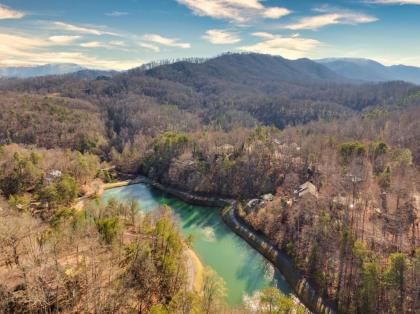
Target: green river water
point(244, 270)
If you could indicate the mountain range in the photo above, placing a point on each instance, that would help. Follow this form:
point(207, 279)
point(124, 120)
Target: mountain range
point(371, 71)
point(41, 70)
point(277, 68)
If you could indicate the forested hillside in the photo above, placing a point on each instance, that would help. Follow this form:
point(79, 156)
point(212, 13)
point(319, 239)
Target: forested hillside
point(50, 122)
point(230, 91)
point(356, 234)
point(238, 126)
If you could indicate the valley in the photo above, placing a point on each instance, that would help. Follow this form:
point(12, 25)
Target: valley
point(322, 167)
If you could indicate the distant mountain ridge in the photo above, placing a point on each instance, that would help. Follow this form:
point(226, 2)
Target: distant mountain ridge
point(371, 71)
point(87, 74)
point(41, 70)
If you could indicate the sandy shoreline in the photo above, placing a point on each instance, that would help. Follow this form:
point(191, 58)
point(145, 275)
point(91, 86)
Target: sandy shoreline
point(198, 271)
point(113, 185)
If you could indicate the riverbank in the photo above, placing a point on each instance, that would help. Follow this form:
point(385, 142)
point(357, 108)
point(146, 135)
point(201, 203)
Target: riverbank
point(301, 287)
point(117, 184)
point(97, 188)
point(196, 267)
point(198, 271)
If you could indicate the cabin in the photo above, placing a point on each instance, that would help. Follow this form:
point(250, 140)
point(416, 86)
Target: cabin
point(253, 205)
point(52, 176)
point(268, 197)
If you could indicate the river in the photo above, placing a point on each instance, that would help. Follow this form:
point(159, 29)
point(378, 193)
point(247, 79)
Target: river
point(243, 269)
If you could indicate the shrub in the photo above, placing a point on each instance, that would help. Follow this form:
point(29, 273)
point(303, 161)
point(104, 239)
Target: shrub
point(108, 228)
point(350, 150)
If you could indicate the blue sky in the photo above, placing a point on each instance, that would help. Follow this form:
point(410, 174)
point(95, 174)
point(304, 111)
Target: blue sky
point(115, 34)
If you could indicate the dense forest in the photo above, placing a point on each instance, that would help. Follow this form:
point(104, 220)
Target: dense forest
point(238, 126)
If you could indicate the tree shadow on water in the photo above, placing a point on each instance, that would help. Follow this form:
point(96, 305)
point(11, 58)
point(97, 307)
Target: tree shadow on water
point(256, 269)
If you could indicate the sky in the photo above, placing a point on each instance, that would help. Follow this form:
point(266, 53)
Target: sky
point(122, 34)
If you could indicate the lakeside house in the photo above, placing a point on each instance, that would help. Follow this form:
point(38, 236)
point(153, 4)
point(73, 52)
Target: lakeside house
point(253, 204)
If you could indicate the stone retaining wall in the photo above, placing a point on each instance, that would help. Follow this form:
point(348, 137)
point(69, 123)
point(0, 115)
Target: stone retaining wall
point(301, 287)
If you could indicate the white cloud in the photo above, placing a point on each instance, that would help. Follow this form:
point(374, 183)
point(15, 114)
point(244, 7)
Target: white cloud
point(149, 46)
point(398, 2)
point(63, 39)
point(289, 47)
point(84, 60)
point(8, 13)
point(253, 4)
point(263, 35)
point(116, 14)
point(120, 45)
point(331, 17)
point(16, 44)
point(71, 57)
point(275, 13)
point(81, 29)
point(92, 44)
point(165, 41)
point(221, 37)
point(24, 50)
point(238, 11)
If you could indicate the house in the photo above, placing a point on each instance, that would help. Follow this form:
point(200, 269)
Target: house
point(306, 189)
point(52, 176)
point(268, 197)
point(253, 205)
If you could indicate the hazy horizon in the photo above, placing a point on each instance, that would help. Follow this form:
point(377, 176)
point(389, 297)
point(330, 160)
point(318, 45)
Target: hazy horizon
point(115, 35)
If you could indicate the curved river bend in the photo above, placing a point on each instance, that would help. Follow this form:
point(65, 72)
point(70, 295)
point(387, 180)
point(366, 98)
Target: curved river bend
point(244, 270)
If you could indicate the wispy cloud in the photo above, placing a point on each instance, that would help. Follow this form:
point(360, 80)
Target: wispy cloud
point(64, 39)
point(92, 44)
point(8, 13)
point(81, 29)
point(237, 11)
point(29, 50)
point(286, 46)
point(165, 41)
point(16, 43)
point(263, 35)
point(11, 44)
point(149, 46)
point(331, 17)
point(221, 37)
point(398, 2)
point(116, 13)
point(119, 45)
point(83, 60)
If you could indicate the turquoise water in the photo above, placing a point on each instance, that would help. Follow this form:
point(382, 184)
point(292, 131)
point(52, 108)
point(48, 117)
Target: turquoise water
point(243, 269)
